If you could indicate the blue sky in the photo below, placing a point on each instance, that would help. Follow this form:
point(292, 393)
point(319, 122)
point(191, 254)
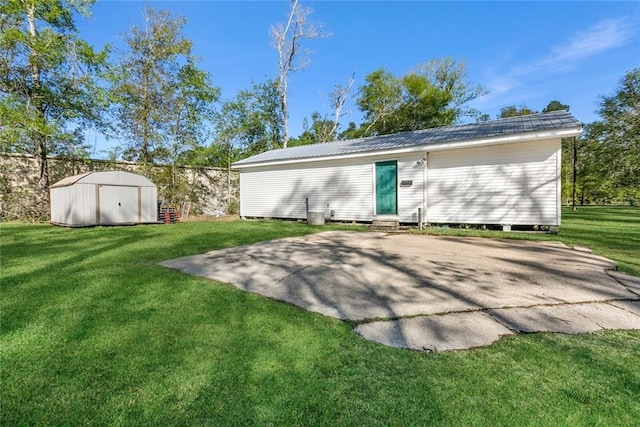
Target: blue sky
point(520, 52)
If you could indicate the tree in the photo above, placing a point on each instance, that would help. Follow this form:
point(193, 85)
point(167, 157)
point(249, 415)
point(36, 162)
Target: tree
point(320, 130)
point(161, 99)
point(287, 39)
point(48, 89)
point(449, 89)
point(514, 111)
point(189, 123)
point(192, 108)
point(591, 183)
point(433, 94)
point(249, 124)
point(616, 139)
point(162, 102)
point(570, 148)
point(481, 117)
point(555, 106)
point(379, 99)
point(324, 128)
point(351, 132)
point(425, 105)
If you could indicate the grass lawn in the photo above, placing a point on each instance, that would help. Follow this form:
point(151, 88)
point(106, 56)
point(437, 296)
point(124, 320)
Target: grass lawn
point(93, 331)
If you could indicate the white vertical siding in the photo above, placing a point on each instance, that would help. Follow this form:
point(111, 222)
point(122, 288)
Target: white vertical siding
point(345, 187)
point(500, 184)
point(61, 202)
point(84, 206)
point(149, 204)
point(73, 205)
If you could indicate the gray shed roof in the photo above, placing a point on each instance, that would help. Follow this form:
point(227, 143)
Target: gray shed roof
point(105, 177)
point(556, 120)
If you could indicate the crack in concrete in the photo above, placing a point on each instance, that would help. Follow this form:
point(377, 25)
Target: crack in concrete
point(488, 310)
point(624, 309)
point(621, 283)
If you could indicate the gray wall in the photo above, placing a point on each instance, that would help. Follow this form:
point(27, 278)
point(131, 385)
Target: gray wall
point(209, 190)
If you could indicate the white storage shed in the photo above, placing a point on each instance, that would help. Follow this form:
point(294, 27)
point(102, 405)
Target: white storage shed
point(104, 198)
point(504, 172)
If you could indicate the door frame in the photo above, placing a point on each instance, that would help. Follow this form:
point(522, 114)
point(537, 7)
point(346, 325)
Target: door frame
point(375, 186)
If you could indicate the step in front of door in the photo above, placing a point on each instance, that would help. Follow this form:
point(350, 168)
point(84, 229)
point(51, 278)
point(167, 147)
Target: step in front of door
point(383, 223)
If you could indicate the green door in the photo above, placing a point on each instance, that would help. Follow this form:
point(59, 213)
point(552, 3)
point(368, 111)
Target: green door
point(386, 188)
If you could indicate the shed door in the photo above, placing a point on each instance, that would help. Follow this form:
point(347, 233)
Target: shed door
point(118, 205)
point(387, 188)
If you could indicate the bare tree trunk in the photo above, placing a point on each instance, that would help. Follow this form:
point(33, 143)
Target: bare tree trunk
point(43, 166)
point(286, 39)
point(39, 138)
point(575, 173)
point(228, 176)
point(286, 53)
point(285, 116)
point(339, 97)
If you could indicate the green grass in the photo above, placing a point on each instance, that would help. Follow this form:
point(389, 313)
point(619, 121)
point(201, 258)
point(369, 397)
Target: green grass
point(94, 332)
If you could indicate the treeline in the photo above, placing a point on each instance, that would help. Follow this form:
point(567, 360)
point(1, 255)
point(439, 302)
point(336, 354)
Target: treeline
point(154, 96)
point(603, 165)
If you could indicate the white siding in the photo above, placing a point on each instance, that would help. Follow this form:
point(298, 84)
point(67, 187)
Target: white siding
point(149, 204)
point(501, 184)
point(410, 198)
point(61, 203)
point(84, 206)
point(516, 183)
point(345, 187)
point(73, 205)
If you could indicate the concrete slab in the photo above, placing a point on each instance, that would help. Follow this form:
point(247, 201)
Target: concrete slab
point(372, 276)
point(632, 283)
point(360, 276)
point(568, 318)
point(608, 316)
point(630, 306)
point(556, 318)
point(455, 331)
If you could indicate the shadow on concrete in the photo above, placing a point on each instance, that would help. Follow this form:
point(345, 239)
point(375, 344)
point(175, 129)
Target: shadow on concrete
point(363, 277)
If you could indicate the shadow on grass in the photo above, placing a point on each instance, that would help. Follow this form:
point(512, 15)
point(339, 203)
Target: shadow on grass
point(94, 332)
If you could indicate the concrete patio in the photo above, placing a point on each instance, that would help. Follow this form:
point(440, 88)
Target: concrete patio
point(432, 293)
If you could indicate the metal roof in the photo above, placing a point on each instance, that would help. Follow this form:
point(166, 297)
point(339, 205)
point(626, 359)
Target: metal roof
point(556, 120)
point(70, 180)
point(112, 177)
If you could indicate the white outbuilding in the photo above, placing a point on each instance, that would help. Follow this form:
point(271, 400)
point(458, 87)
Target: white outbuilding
point(504, 172)
point(104, 198)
